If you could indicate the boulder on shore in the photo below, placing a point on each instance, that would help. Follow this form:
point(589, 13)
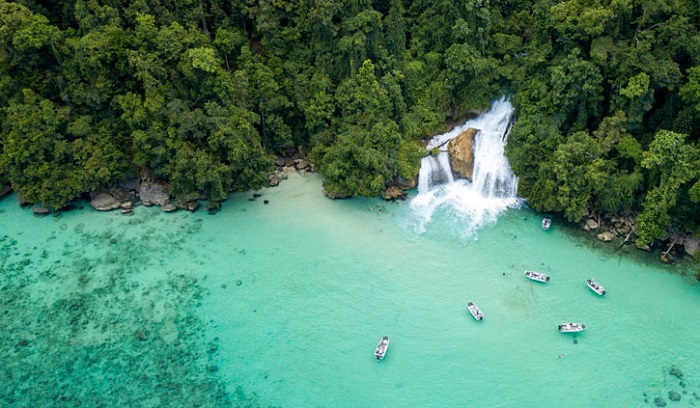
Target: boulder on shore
point(274, 179)
point(302, 164)
point(591, 224)
point(606, 236)
point(461, 151)
point(168, 207)
point(104, 202)
point(191, 206)
point(40, 210)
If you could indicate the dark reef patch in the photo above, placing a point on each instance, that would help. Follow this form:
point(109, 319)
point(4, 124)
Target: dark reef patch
point(89, 329)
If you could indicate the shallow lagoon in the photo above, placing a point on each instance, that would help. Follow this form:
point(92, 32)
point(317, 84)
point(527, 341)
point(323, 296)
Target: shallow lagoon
point(282, 304)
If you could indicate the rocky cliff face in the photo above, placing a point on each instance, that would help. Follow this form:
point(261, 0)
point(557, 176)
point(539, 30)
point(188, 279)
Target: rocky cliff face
point(4, 190)
point(461, 151)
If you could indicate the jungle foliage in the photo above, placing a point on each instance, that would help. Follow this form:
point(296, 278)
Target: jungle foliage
point(203, 94)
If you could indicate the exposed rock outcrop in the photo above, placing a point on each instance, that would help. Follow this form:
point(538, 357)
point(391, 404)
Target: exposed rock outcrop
point(691, 245)
point(393, 193)
point(292, 161)
point(153, 194)
point(335, 196)
point(461, 151)
point(129, 184)
point(21, 201)
point(404, 184)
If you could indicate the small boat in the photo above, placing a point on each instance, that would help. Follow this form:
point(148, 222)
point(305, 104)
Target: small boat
point(546, 223)
point(382, 346)
point(595, 286)
point(571, 327)
point(475, 311)
point(536, 276)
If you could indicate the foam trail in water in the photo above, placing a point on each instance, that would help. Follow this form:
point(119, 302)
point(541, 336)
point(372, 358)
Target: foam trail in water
point(493, 188)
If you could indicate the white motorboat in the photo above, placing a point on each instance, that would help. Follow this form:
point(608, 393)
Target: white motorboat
point(595, 286)
point(546, 223)
point(382, 346)
point(571, 327)
point(475, 311)
point(536, 276)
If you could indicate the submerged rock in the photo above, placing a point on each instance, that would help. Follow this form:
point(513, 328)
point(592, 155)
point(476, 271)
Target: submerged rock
point(676, 373)
point(140, 335)
point(674, 396)
point(659, 402)
point(169, 332)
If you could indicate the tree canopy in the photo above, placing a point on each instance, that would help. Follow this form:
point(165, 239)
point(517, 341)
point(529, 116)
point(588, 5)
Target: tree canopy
point(204, 94)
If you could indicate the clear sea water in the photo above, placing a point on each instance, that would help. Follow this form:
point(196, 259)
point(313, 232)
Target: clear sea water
point(282, 304)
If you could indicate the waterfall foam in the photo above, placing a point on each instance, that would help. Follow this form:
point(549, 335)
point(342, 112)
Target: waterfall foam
point(493, 188)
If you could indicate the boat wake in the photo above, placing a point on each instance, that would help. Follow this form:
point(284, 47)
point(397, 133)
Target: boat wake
point(493, 189)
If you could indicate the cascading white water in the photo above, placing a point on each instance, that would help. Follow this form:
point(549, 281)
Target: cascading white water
point(493, 188)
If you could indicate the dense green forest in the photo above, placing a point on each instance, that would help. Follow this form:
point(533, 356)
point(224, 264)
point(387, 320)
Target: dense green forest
point(204, 94)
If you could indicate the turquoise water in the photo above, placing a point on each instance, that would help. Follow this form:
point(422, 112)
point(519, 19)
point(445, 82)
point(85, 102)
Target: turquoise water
point(282, 304)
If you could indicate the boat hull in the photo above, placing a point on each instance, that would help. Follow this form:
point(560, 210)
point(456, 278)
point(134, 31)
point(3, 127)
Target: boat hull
point(475, 311)
point(546, 223)
point(571, 327)
point(595, 287)
point(537, 276)
point(382, 347)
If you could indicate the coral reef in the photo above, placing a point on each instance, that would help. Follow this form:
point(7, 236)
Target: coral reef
point(87, 326)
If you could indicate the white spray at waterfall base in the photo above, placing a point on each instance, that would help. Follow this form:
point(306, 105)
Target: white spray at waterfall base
point(493, 188)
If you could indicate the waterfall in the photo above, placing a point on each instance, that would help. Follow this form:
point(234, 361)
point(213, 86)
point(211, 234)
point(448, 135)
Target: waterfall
point(493, 188)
